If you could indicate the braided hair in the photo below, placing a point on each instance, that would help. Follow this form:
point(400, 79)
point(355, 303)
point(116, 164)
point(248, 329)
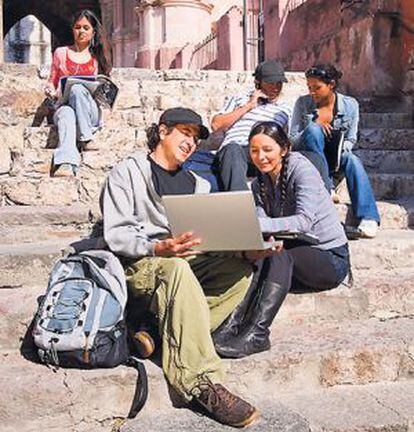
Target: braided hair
point(277, 133)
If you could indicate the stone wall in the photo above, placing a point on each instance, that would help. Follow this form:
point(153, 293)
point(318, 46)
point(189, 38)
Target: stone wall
point(27, 151)
point(365, 41)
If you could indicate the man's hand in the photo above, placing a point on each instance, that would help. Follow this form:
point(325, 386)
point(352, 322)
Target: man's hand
point(177, 246)
point(262, 254)
point(227, 120)
point(254, 98)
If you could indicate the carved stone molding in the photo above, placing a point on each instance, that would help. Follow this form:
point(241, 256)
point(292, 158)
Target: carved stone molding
point(145, 4)
point(141, 5)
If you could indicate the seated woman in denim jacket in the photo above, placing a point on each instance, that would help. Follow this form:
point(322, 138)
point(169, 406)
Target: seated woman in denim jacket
point(314, 118)
point(289, 195)
point(77, 120)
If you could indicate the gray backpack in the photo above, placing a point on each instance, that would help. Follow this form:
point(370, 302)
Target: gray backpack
point(80, 321)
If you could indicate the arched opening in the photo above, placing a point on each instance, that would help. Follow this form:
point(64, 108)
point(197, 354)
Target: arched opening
point(28, 41)
point(55, 14)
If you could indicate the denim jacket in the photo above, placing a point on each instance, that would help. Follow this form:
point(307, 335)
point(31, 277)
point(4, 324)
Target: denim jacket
point(346, 118)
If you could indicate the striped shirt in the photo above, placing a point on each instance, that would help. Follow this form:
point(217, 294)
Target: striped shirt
point(239, 132)
point(308, 208)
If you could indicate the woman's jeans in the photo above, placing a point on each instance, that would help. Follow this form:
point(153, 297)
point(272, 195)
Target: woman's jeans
point(76, 121)
point(299, 261)
point(363, 204)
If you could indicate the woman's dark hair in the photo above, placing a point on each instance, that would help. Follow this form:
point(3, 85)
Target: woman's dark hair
point(325, 72)
point(99, 45)
point(153, 135)
point(277, 133)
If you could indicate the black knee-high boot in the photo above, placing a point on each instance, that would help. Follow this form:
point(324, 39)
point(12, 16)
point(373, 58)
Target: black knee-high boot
point(234, 324)
point(271, 291)
point(254, 337)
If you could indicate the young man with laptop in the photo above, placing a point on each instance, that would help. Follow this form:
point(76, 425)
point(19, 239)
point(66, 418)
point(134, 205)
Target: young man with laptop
point(190, 294)
point(240, 113)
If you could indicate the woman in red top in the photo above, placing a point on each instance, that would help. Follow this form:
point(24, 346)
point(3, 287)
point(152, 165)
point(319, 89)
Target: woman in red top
point(80, 116)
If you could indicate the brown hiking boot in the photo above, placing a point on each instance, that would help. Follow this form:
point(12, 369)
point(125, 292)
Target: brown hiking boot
point(224, 406)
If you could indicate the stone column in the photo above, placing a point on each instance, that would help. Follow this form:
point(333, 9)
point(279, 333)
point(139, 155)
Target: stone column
point(1, 33)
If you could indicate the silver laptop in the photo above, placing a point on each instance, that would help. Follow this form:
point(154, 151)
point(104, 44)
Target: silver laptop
point(225, 221)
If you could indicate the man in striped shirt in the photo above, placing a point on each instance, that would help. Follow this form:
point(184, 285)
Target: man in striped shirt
point(238, 116)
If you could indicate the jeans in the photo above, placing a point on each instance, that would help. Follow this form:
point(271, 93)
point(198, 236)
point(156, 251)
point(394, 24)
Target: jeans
point(295, 266)
point(75, 121)
point(234, 165)
point(359, 187)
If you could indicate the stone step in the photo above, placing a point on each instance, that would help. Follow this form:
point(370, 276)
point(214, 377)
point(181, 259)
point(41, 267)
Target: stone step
point(387, 161)
point(392, 186)
point(390, 250)
point(27, 264)
point(33, 185)
point(374, 407)
point(374, 293)
point(374, 148)
point(386, 139)
point(386, 120)
point(386, 104)
point(146, 90)
point(304, 358)
point(27, 224)
point(394, 214)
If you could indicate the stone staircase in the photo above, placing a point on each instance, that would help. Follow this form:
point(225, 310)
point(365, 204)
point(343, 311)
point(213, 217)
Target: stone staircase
point(340, 361)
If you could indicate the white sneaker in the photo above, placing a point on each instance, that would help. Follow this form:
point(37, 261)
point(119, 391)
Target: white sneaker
point(368, 228)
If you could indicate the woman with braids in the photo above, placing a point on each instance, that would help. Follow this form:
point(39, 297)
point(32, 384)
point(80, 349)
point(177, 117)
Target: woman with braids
point(289, 195)
point(81, 116)
point(316, 119)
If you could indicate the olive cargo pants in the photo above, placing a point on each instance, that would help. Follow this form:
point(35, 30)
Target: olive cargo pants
point(191, 297)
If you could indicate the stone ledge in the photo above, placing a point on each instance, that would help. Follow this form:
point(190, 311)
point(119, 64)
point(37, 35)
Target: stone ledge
point(303, 359)
point(375, 407)
point(387, 161)
point(386, 139)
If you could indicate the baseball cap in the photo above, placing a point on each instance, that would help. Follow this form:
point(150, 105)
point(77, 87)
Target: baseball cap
point(179, 115)
point(270, 71)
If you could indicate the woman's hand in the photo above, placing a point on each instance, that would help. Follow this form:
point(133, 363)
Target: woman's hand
point(50, 91)
point(327, 129)
point(262, 254)
point(177, 246)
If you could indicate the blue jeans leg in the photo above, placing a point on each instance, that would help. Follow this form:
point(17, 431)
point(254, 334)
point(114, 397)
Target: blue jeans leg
point(233, 162)
point(359, 188)
point(66, 152)
point(86, 110)
point(312, 145)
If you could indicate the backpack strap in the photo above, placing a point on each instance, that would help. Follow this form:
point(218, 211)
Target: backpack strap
point(141, 389)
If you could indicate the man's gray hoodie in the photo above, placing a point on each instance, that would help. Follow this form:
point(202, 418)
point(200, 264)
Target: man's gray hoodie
point(133, 214)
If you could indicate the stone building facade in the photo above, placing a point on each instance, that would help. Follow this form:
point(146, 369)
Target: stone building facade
point(371, 41)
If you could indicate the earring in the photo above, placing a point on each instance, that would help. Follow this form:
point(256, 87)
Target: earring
point(92, 43)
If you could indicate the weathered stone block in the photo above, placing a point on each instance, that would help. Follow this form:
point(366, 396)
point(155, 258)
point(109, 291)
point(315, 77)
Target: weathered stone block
point(386, 139)
point(48, 191)
point(387, 161)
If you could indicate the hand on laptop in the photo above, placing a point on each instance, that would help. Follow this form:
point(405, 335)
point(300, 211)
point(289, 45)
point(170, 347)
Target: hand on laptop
point(256, 255)
point(178, 246)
